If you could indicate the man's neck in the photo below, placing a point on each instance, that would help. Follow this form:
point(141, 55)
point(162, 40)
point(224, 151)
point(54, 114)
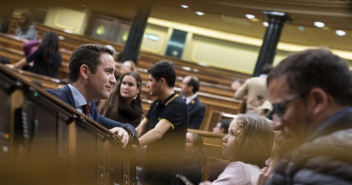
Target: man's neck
point(188, 94)
point(166, 93)
point(81, 88)
point(331, 111)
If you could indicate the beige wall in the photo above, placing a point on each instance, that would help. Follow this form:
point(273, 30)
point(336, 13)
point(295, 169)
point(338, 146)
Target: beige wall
point(69, 20)
point(221, 53)
point(204, 46)
point(155, 45)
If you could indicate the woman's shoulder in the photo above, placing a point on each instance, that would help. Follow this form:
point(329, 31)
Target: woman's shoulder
point(244, 166)
point(239, 172)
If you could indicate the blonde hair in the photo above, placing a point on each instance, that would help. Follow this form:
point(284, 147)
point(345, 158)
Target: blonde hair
point(254, 139)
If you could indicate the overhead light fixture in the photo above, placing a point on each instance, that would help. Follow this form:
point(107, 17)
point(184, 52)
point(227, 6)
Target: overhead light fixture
point(340, 32)
point(319, 24)
point(250, 16)
point(266, 24)
point(199, 13)
point(184, 6)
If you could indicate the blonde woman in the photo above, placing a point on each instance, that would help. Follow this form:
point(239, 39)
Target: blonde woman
point(247, 144)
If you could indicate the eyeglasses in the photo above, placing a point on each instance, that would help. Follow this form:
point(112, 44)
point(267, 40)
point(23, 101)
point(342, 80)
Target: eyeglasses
point(279, 108)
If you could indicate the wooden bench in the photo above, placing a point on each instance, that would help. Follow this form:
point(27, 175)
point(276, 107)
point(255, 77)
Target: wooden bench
point(213, 148)
point(146, 59)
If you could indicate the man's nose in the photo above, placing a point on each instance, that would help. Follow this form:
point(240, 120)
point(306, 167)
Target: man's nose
point(277, 123)
point(113, 80)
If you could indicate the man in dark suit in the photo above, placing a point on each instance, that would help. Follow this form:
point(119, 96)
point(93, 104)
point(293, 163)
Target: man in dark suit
point(91, 76)
point(196, 110)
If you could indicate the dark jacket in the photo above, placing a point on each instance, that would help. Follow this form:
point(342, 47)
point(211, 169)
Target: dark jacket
point(65, 95)
point(196, 112)
point(325, 158)
point(42, 66)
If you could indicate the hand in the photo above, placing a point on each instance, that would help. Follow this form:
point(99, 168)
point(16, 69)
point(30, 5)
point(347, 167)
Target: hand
point(263, 176)
point(121, 134)
point(10, 66)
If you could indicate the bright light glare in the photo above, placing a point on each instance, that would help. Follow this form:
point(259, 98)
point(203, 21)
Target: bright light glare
point(340, 33)
point(250, 16)
point(199, 13)
point(319, 24)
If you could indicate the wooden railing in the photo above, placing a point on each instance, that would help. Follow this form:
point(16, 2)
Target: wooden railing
point(45, 141)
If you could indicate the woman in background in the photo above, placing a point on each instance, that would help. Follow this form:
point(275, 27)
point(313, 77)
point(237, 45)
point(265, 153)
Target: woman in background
point(194, 161)
point(248, 144)
point(124, 103)
point(26, 29)
point(47, 58)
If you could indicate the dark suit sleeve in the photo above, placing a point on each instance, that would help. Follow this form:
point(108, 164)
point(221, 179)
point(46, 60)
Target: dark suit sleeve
point(109, 123)
point(196, 119)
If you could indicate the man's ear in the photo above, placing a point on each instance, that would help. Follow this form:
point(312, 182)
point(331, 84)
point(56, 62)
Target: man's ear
point(190, 88)
point(84, 71)
point(318, 100)
point(162, 81)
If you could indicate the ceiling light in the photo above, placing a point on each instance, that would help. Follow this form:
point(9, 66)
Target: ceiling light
point(340, 33)
point(319, 24)
point(301, 28)
point(250, 16)
point(184, 6)
point(199, 13)
point(266, 24)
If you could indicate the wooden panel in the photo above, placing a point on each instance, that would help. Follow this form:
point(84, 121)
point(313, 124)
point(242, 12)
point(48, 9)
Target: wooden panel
point(47, 136)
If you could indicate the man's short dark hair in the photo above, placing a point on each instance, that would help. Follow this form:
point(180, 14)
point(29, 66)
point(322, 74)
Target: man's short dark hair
point(316, 68)
point(164, 69)
point(225, 123)
point(88, 54)
point(193, 81)
point(267, 68)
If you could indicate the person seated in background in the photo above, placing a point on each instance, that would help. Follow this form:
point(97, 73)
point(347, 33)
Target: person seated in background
point(126, 66)
point(91, 76)
point(248, 144)
point(114, 52)
point(222, 126)
point(236, 84)
point(282, 144)
point(47, 58)
point(255, 89)
point(195, 159)
point(196, 110)
point(26, 29)
point(29, 48)
point(124, 103)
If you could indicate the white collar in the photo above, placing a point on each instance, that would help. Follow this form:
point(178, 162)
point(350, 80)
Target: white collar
point(190, 98)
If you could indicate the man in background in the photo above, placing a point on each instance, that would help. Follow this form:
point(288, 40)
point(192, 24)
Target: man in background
point(196, 110)
point(164, 127)
point(222, 126)
point(255, 89)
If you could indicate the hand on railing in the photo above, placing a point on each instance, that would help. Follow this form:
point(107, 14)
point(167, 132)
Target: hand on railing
point(122, 134)
point(10, 66)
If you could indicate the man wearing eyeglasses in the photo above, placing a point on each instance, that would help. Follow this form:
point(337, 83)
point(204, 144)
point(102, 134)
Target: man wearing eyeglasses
point(311, 93)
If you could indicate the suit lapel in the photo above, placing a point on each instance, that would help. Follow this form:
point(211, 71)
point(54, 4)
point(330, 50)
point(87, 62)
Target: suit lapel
point(69, 96)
